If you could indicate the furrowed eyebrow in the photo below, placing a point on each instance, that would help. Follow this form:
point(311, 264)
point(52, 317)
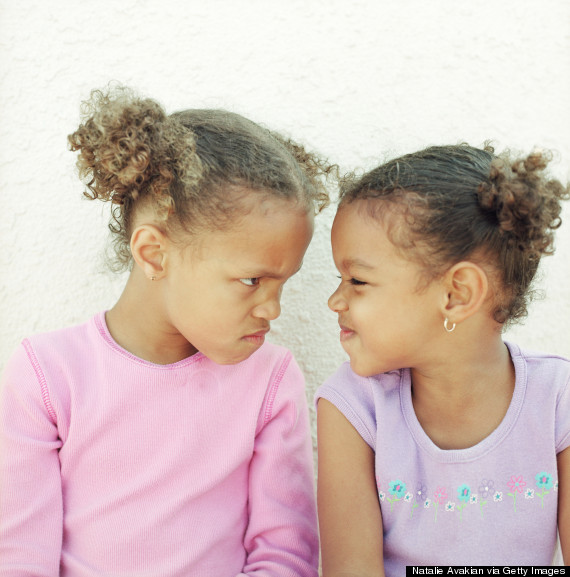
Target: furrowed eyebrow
point(268, 273)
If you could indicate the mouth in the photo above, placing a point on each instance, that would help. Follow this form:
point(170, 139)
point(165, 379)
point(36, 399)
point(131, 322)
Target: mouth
point(345, 332)
point(256, 338)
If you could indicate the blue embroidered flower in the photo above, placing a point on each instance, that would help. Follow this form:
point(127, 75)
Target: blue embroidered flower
point(463, 493)
point(397, 489)
point(544, 481)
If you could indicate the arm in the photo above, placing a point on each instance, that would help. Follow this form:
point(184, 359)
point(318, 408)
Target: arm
point(350, 520)
point(30, 484)
point(281, 539)
point(564, 503)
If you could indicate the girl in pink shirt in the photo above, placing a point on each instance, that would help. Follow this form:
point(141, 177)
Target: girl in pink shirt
point(164, 437)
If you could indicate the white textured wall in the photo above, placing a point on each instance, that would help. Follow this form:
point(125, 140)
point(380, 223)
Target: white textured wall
point(357, 80)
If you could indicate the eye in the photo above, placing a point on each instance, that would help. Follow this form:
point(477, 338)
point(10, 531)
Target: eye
point(250, 281)
point(356, 282)
point(353, 281)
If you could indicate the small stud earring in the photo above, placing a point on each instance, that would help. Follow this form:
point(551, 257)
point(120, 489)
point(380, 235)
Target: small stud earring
point(448, 328)
point(152, 278)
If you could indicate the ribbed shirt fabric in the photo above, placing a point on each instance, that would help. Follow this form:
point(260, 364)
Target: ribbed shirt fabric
point(111, 465)
point(491, 504)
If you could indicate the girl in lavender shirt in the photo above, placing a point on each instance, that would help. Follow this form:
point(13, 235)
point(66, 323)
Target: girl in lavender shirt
point(163, 437)
point(440, 444)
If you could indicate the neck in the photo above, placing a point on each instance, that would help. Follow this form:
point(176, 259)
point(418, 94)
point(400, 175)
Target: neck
point(138, 322)
point(463, 398)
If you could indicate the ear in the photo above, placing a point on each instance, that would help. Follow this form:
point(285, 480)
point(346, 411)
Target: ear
point(148, 247)
point(466, 288)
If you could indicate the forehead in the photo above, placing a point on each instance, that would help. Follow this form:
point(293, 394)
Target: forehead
point(273, 233)
point(356, 230)
point(360, 240)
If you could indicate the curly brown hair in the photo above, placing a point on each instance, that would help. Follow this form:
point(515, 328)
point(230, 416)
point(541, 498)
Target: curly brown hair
point(193, 165)
point(460, 202)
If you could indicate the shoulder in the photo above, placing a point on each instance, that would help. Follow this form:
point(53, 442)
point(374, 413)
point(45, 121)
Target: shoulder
point(345, 382)
point(263, 372)
point(548, 369)
point(275, 383)
point(56, 347)
point(63, 342)
point(361, 399)
point(39, 371)
point(269, 363)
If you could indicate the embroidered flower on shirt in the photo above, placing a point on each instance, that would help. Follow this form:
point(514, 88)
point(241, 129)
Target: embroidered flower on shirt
point(529, 494)
point(486, 488)
point(440, 495)
point(544, 482)
point(439, 498)
point(421, 492)
point(397, 488)
point(450, 507)
point(409, 498)
point(556, 486)
point(427, 503)
point(473, 499)
point(382, 495)
point(516, 485)
point(498, 496)
point(463, 493)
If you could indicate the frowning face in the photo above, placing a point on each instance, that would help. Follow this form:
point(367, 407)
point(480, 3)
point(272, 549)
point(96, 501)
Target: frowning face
point(222, 291)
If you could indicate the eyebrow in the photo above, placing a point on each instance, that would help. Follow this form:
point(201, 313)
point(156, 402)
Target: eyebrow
point(356, 263)
point(268, 273)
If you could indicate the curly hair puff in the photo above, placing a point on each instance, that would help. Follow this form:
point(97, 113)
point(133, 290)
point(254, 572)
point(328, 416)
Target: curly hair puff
point(193, 165)
point(460, 202)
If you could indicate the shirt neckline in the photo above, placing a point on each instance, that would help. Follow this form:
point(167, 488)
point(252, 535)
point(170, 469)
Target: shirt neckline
point(488, 443)
point(103, 330)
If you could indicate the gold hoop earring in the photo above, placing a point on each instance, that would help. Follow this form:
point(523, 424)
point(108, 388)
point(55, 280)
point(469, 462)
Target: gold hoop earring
point(446, 327)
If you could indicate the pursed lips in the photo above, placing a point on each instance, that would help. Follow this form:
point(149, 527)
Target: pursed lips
point(257, 337)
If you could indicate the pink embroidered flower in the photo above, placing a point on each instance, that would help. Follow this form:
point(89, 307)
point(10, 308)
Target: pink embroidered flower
point(440, 495)
point(516, 484)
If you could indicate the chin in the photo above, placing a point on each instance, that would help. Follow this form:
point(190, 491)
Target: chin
point(362, 370)
point(229, 359)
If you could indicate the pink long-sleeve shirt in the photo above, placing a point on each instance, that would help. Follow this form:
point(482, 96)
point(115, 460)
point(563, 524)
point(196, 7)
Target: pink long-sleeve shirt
point(111, 465)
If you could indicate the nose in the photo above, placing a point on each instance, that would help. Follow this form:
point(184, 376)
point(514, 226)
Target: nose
point(337, 302)
point(270, 308)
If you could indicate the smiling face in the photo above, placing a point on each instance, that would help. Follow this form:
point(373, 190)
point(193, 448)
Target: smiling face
point(221, 292)
point(386, 321)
